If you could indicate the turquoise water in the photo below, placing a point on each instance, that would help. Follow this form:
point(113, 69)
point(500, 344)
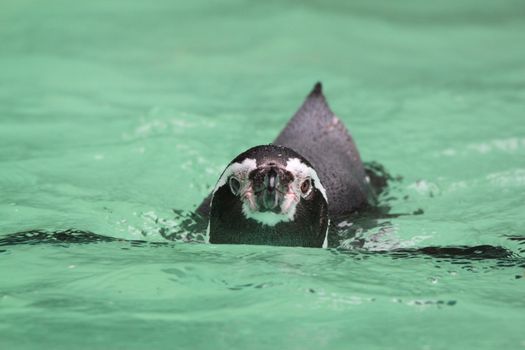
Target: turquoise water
point(114, 113)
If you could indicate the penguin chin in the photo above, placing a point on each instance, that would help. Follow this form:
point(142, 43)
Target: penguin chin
point(267, 218)
point(271, 218)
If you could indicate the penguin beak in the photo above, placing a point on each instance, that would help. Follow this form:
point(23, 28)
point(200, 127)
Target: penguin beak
point(270, 186)
point(270, 197)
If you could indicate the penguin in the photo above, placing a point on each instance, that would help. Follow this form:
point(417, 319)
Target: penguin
point(286, 193)
point(269, 194)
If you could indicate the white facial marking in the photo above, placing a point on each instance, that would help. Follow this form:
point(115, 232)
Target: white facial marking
point(301, 172)
point(241, 171)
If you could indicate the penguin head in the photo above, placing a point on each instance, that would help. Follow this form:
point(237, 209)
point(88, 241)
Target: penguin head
point(269, 195)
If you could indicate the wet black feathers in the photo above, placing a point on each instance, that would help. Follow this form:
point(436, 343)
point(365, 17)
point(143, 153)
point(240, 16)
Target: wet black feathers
point(319, 136)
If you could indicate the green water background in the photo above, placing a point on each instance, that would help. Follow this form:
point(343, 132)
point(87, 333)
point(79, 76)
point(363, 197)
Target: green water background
point(113, 113)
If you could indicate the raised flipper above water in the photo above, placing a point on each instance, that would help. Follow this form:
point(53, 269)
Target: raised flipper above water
point(319, 136)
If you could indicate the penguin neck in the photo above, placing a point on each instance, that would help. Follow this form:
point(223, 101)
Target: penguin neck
point(230, 225)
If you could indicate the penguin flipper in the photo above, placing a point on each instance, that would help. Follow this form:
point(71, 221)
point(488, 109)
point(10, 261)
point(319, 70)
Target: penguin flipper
point(319, 136)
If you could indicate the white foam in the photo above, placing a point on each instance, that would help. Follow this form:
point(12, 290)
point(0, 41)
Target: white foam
point(510, 178)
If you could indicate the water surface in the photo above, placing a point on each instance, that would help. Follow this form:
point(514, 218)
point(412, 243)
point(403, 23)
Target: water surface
point(114, 113)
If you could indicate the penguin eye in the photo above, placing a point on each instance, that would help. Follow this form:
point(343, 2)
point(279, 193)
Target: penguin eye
point(305, 186)
point(235, 185)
